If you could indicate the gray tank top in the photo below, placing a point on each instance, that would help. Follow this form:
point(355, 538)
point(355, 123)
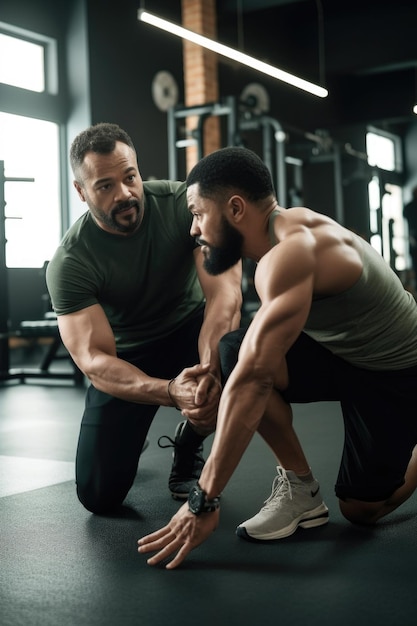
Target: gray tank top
point(372, 325)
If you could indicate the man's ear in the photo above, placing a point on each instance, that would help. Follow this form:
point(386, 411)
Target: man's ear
point(79, 190)
point(237, 207)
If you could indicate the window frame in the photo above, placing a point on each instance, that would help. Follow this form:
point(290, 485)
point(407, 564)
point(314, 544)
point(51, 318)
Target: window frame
point(50, 48)
point(398, 155)
point(48, 105)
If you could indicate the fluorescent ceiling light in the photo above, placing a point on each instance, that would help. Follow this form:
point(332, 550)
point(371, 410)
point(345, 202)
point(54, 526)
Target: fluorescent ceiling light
point(231, 53)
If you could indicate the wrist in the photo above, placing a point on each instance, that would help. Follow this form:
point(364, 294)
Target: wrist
point(199, 503)
point(169, 390)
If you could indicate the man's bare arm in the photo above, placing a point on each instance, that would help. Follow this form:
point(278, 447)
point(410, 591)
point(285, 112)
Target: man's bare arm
point(286, 288)
point(223, 295)
point(285, 280)
point(89, 339)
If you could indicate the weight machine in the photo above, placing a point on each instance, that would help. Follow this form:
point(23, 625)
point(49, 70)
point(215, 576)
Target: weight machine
point(227, 109)
point(274, 140)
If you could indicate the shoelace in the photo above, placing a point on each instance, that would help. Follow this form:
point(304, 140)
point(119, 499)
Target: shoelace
point(171, 444)
point(281, 487)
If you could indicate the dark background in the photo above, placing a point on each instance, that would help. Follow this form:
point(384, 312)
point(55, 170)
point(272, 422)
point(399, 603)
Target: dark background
point(108, 61)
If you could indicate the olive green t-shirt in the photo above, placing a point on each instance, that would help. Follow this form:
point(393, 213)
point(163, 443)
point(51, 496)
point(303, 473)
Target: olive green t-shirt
point(146, 283)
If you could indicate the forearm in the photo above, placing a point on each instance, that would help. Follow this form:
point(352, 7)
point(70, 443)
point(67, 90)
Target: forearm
point(123, 380)
point(236, 426)
point(218, 321)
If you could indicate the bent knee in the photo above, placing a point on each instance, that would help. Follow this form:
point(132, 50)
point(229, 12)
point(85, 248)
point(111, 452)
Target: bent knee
point(99, 503)
point(229, 346)
point(360, 512)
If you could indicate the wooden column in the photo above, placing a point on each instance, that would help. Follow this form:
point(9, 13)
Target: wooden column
point(200, 72)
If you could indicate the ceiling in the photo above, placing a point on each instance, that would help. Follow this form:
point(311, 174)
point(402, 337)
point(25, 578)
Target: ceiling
point(254, 5)
point(362, 47)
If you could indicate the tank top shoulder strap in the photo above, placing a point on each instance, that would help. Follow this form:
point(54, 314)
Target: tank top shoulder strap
point(272, 217)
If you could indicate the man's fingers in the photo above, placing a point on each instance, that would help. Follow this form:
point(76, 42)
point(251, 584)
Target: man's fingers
point(208, 390)
point(179, 558)
point(196, 370)
point(184, 532)
point(175, 544)
point(155, 540)
point(163, 554)
point(201, 391)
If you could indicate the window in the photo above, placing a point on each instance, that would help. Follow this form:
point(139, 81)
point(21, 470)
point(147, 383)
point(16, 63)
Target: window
point(383, 150)
point(22, 63)
point(29, 147)
point(388, 233)
point(32, 209)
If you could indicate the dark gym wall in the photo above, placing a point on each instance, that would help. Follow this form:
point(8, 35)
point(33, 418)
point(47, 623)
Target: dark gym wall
point(125, 55)
point(111, 80)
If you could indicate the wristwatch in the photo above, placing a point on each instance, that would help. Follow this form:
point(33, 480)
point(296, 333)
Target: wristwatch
point(198, 503)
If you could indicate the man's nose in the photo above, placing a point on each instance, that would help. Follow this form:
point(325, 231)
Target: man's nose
point(194, 230)
point(123, 192)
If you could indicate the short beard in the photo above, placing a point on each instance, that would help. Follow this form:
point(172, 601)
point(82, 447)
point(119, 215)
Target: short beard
point(110, 220)
point(221, 258)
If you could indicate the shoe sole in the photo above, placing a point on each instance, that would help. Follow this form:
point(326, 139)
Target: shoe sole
point(311, 519)
point(179, 496)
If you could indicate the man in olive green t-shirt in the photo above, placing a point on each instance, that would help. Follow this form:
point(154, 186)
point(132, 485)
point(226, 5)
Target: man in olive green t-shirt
point(140, 317)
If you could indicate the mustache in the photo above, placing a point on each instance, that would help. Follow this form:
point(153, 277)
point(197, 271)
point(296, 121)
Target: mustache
point(128, 204)
point(201, 242)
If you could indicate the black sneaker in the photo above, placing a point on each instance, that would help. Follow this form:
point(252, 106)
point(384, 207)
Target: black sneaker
point(188, 460)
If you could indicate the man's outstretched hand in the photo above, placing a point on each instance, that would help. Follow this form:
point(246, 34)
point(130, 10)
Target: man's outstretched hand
point(182, 534)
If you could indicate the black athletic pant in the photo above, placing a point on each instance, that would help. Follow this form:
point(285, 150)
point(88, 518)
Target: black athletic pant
point(113, 431)
point(378, 407)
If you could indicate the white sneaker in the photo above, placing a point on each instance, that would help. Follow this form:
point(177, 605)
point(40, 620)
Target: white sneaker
point(292, 503)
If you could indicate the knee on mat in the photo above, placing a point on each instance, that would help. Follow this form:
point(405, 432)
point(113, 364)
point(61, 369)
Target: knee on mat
point(359, 512)
point(98, 503)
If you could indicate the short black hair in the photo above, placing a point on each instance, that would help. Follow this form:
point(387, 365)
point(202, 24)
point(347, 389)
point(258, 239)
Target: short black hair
point(100, 138)
point(230, 168)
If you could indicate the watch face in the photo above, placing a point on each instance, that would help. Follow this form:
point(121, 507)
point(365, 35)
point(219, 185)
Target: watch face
point(196, 500)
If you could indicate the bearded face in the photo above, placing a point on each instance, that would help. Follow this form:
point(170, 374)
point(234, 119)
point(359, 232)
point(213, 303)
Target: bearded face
point(221, 257)
point(124, 218)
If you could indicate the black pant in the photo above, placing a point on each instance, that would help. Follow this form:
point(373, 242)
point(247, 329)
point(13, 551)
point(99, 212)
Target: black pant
point(113, 431)
point(378, 409)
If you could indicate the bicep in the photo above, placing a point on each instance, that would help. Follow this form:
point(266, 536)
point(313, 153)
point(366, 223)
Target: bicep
point(86, 333)
point(285, 305)
point(275, 327)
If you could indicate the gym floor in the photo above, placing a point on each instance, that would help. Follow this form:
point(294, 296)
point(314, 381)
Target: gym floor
point(60, 565)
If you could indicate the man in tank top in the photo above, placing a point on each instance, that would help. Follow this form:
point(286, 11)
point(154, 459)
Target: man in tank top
point(334, 323)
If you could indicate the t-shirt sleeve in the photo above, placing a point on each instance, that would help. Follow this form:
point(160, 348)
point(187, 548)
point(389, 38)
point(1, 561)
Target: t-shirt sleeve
point(70, 287)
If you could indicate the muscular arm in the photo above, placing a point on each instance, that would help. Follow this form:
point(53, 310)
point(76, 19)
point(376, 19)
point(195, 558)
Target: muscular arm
point(285, 279)
point(223, 295)
point(89, 339)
